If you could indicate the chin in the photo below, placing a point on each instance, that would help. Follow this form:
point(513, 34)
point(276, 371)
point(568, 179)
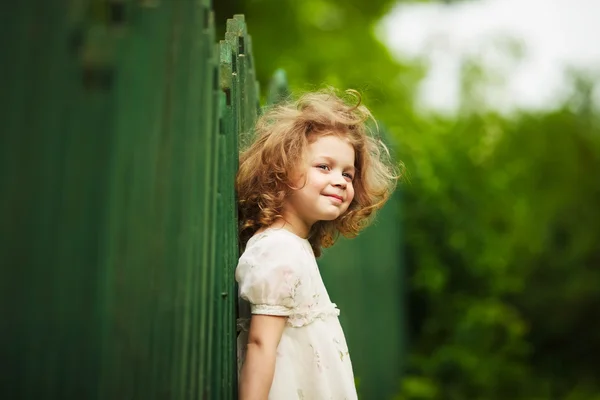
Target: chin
point(330, 216)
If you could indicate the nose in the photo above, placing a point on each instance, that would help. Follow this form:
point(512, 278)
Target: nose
point(339, 181)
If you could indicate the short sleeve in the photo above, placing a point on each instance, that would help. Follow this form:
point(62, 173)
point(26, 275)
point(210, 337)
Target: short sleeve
point(271, 277)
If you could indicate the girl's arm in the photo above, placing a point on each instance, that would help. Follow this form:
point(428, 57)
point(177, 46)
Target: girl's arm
point(258, 369)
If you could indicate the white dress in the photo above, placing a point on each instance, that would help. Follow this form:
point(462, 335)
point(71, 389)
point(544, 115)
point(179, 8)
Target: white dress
point(278, 275)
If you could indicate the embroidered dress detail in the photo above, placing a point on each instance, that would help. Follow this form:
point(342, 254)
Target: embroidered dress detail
point(303, 319)
point(268, 309)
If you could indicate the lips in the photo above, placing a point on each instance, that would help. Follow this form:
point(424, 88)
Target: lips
point(335, 196)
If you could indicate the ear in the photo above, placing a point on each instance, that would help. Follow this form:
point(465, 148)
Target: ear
point(297, 180)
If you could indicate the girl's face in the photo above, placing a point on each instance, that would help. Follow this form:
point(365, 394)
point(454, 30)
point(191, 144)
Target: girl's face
point(324, 183)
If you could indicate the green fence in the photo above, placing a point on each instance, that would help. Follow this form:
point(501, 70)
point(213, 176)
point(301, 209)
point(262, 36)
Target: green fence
point(120, 128)
point(118, 153)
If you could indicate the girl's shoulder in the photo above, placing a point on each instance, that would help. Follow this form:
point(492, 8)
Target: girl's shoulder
point(275, 243)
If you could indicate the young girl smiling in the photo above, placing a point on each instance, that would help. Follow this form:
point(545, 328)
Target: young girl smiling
point(313, 171)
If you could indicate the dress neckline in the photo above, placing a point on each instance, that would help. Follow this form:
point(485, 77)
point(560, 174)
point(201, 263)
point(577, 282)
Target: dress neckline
point(278, 230)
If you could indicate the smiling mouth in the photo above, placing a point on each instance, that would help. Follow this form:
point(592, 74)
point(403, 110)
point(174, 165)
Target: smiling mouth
point(336, 198)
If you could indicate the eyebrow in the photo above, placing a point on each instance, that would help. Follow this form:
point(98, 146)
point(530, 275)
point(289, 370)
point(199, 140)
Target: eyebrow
point(332, 161)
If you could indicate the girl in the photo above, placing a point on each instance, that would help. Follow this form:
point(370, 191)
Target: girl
point(312, 172)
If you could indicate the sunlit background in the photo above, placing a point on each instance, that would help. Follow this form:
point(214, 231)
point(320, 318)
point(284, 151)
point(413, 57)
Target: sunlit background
point(492, 106)
point(530, 46)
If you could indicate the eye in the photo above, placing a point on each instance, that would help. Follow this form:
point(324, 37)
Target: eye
point(323, 167)
point(347, 175)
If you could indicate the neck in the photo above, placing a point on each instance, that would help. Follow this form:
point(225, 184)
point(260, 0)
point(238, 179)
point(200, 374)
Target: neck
point(293, 224)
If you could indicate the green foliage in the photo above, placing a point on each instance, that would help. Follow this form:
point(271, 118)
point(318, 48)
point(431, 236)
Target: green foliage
point(502, 224)
point(501, 214)
point(324, 42)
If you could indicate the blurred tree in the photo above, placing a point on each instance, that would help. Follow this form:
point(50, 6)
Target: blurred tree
point(325, 42)
point(503, 234)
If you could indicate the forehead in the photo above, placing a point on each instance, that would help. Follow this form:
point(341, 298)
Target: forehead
point(331, 146)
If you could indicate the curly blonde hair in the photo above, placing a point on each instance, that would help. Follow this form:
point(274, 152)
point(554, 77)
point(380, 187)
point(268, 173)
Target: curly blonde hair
point(282, 135)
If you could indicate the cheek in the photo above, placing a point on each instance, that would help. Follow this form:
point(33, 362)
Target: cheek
point(315, 180)
point(350, 191)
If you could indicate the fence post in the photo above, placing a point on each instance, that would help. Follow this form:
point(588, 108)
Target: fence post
point(240, 109)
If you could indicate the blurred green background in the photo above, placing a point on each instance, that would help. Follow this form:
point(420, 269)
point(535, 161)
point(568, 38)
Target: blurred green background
point(500, 212)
